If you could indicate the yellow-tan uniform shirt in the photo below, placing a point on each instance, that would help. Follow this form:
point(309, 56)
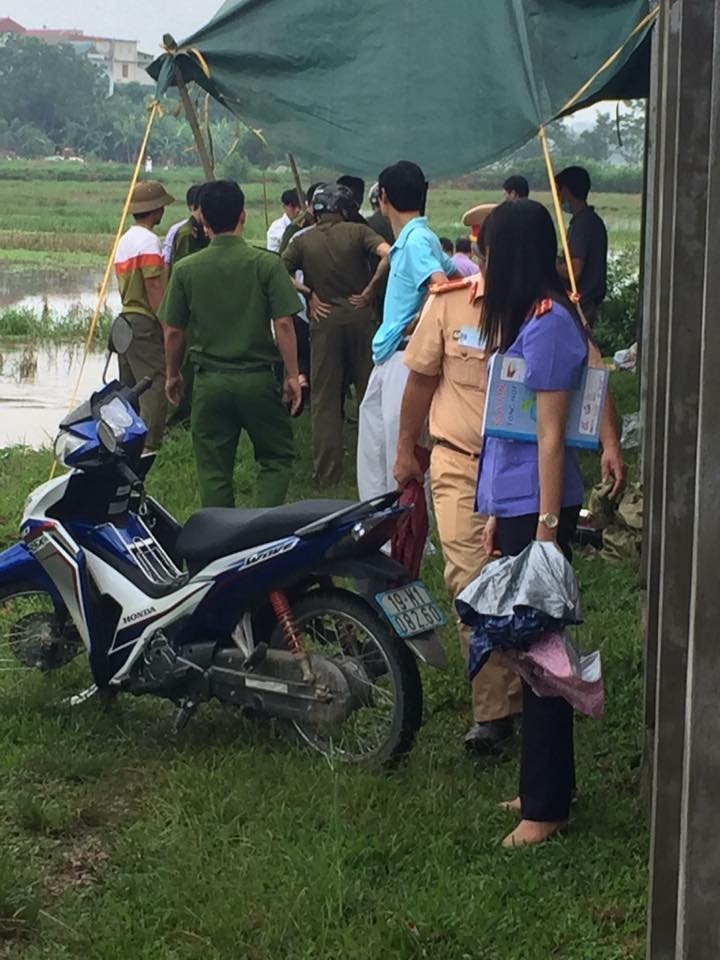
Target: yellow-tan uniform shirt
point(447, 344)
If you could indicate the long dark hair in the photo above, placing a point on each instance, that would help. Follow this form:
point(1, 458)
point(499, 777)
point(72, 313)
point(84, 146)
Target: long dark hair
point(519, 243)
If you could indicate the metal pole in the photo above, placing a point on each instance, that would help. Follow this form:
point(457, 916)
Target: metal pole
point(194, 125)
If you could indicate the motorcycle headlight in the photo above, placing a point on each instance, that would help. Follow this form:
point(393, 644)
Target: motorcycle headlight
point(66, 445)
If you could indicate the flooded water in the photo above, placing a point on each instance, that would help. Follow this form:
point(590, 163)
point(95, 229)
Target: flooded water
point(62, 290)
point(36, 387)
point(37, 380)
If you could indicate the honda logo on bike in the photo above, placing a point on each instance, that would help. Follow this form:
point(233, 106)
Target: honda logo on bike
point(140, 615)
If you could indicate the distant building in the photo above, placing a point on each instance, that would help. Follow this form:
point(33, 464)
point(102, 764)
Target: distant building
point(120, 60)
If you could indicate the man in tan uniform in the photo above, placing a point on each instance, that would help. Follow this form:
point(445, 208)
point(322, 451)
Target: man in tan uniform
point(448, 377)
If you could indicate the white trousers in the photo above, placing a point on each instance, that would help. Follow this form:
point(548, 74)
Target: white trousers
point(379, 427)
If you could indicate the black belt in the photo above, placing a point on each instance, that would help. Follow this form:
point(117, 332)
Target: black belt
point(451, 446)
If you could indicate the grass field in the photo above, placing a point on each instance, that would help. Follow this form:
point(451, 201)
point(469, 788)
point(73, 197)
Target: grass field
point(47, 222)
point(119, 840)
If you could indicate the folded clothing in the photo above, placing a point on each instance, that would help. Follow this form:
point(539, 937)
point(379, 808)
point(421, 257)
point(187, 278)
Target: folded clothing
point(552, 667)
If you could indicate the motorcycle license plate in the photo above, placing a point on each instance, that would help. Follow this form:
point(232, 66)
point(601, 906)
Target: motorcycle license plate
point(411, 610)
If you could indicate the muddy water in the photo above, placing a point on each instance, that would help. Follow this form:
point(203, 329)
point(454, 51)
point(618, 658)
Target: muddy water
point(37, 381)
point(36, 387)
point(62, 290)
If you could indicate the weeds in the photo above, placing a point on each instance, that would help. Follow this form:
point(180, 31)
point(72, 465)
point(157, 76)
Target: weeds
point(49, 327)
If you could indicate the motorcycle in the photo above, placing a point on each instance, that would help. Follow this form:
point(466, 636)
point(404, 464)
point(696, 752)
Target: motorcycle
point(248, 606)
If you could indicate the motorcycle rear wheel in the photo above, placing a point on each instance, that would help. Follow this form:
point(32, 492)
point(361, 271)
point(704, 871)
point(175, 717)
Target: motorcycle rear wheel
point(336, 624)
point(33, 634)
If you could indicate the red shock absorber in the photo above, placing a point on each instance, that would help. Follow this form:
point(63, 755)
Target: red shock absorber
point(291, 632)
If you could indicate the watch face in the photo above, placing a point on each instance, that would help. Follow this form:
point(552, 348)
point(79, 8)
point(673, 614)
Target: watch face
point(549, 520)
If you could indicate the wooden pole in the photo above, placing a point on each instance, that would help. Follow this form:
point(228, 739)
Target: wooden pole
point(298, 184)
point(194, 125)
point(267, 214)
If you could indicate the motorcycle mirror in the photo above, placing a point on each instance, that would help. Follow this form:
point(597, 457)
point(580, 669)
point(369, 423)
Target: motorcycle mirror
point(121, 335)
point(107, 437)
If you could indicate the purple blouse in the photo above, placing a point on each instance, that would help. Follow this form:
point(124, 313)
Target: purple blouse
point(555, 352)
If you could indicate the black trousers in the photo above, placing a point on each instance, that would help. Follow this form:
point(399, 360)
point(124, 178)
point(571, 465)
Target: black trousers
point(302, 334)
point(547, 762)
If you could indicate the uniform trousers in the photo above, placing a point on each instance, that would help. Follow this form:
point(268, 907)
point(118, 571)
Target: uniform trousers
point(340, 353)
point(225, 404)
point(496, 690)
point(180, 415)
point(379, 427)
point(145, 357)
point(547, 760)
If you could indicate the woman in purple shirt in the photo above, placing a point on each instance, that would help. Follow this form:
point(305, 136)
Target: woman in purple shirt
point(533, 491)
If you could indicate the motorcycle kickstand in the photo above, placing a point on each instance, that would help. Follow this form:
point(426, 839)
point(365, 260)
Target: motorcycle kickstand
point(79, 698)
point(185, 714)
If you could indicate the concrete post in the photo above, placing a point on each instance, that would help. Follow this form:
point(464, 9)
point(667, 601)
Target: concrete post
point(679, 474)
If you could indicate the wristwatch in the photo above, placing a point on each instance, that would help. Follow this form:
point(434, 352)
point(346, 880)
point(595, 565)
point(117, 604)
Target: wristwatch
point(549, 520)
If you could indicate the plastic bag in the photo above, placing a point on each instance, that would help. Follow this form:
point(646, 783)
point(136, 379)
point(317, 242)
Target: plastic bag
point(539, 577)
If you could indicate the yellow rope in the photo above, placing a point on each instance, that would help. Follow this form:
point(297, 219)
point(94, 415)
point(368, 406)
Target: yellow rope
point(646, 21)
point(562, 230)
point(152, 113)
point(575, 296)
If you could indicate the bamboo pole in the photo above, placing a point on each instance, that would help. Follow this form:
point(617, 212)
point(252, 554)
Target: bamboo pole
point(194, 125)
point(302, 200)
point(265, 198)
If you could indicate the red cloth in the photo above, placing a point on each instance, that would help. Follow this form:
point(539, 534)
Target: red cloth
point(408, 544)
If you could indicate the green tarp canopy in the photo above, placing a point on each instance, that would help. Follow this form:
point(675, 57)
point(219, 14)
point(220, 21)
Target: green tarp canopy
point(452, 85)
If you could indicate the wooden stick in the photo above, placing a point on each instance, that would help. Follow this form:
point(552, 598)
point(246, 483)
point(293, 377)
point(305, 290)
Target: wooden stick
point(194, 125)
point(267, 215)
point(298, 185)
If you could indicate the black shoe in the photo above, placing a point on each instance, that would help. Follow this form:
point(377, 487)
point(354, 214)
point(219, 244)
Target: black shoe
point(488, 737)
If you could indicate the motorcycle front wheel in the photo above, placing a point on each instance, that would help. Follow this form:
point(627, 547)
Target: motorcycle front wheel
point(34, 633)
point(338, 625)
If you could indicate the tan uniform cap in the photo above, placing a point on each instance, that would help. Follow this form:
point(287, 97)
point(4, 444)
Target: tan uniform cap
point(149, 195)
point(476, 216)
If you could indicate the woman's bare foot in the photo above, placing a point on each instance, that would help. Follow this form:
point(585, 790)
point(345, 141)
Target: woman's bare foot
point(529, 832)
point(512, 806)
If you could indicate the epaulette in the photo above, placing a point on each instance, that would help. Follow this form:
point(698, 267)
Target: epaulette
point(543, 307)
point(458, 284)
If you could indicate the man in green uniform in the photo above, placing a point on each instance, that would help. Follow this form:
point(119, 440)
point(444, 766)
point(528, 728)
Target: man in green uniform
point(229, 296)
point(335, 260)
point(186, 236)
point(182, 240)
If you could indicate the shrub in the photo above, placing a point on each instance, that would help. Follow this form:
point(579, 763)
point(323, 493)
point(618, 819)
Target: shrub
point(617, 324)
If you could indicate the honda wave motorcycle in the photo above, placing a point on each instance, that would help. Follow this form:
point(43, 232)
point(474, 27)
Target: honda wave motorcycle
point(249, 606)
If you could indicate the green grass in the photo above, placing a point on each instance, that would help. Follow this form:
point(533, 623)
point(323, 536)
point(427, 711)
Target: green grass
point(120, 840)
point(27, 326)
point(56, 222)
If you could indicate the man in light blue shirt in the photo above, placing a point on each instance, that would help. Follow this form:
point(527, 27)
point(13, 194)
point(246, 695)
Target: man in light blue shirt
point(416, 260)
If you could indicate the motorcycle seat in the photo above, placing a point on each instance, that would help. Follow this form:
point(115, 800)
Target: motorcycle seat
point(217, 531)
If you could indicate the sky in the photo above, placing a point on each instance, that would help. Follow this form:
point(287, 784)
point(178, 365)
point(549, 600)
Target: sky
point(142, 20)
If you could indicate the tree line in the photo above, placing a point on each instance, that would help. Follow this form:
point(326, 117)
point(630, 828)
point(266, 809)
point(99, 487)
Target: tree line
point(52, 99)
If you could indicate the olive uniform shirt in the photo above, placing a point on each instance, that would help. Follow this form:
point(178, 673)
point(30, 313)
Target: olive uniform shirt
point(229, 293)
point(448, 344)
point(187, 240)
point(335, 260)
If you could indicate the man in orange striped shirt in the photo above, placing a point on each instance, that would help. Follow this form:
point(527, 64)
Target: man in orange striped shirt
point(141, 274)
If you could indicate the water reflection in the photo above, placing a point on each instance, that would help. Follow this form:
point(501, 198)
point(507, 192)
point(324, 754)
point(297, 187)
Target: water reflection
point(62, 290)
point(36, 386)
